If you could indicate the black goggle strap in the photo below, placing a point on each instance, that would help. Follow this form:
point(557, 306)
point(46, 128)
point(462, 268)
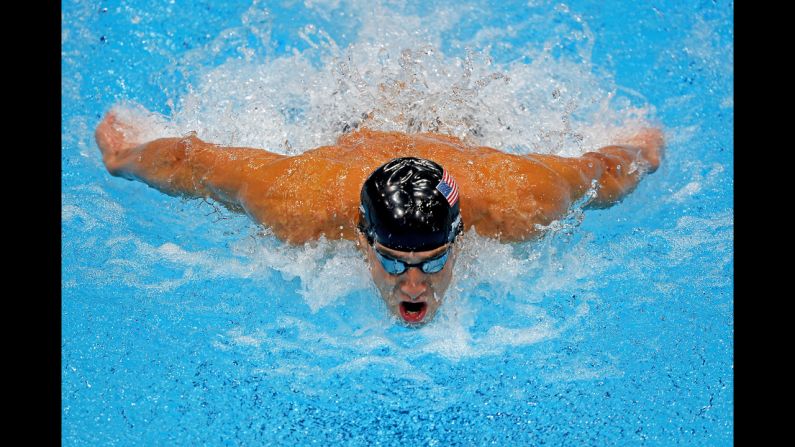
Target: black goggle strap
point(367, 232)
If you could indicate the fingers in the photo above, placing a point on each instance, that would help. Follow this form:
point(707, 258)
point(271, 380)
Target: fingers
point(106, 135)
point(111, 141)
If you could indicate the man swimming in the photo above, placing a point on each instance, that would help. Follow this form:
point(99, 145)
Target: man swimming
point(403, 197)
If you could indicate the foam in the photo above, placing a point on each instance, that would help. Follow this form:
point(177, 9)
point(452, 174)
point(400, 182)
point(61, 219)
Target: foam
point(104, 210)
point(582, 369)
point(693, 233)
point(698, 183)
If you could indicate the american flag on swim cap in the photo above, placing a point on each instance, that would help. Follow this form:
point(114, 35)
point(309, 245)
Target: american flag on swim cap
point(448, 188)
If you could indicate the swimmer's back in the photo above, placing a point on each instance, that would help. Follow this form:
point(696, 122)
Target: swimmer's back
point(317, 192)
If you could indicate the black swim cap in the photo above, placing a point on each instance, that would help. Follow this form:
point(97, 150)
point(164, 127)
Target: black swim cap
point(410, 204)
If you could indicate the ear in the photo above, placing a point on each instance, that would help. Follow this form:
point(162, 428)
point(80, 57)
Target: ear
point(361, 241)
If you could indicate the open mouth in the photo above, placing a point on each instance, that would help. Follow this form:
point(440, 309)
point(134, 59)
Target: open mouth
point(413, 312)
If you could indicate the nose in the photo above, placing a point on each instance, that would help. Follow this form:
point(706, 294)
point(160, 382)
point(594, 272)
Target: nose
point(413, 283)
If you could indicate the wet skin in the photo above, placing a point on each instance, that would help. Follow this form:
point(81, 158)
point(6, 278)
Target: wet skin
point(413, 296)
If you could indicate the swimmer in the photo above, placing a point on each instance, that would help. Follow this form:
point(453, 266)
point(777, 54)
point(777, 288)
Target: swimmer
point(404, 198)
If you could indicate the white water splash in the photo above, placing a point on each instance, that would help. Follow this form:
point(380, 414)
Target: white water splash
point(395, 76)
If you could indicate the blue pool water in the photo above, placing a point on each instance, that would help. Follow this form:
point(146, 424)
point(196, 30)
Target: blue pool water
point(185, 324)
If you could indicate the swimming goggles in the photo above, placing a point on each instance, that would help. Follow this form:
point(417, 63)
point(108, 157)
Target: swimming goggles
point(397, 267)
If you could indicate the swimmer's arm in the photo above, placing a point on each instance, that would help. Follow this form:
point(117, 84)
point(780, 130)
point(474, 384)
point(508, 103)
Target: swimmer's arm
point(615, 169)
point(183, 166)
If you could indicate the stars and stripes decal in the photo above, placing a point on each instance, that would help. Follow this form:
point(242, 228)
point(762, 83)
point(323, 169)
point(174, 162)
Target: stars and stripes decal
point(449, 188)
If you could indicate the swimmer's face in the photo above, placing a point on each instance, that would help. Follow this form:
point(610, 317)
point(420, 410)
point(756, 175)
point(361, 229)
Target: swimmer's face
point(413, 296)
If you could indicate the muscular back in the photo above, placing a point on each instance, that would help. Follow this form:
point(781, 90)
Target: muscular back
point(317, 192)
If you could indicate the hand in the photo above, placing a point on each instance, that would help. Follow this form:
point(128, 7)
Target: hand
point(652, 144)
point(115, 139)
